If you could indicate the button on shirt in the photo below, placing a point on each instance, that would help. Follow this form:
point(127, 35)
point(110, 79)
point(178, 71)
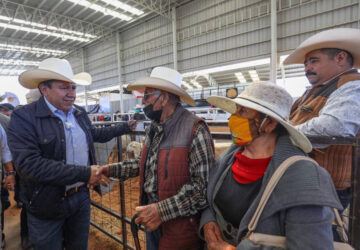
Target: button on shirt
point(5, 152)
point(77, 149)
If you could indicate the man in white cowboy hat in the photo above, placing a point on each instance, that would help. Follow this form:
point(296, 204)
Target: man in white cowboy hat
point(332, 106)
point(174, 164)
point(51, 141)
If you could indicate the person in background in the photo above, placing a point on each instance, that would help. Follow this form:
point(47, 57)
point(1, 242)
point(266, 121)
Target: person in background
point(8, 182)
point(300, 206)
point(58, 164)
point(174, 165)
point(331, 107)
point(5, 112)
point(6, 109)
point(139, 115)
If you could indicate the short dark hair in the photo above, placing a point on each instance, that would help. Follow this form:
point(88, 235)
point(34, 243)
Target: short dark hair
point(47, 83)
point(332, 52)
point(7, 106)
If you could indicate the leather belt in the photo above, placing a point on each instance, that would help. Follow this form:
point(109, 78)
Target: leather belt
point(75, 190)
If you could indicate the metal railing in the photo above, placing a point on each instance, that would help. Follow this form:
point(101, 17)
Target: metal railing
point(124, 216)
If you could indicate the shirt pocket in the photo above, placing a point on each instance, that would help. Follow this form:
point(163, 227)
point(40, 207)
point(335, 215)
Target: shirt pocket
point(47, 146)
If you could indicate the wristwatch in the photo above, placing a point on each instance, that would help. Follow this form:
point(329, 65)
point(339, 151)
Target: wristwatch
point(10, 173)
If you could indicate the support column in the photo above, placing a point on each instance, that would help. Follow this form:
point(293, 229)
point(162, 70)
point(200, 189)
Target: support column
point(173, 22)
point(273, 61)
point(118, 53)
point(83, 70)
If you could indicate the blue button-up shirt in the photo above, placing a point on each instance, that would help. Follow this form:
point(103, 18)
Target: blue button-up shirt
point(77, 149)
point(5, 152)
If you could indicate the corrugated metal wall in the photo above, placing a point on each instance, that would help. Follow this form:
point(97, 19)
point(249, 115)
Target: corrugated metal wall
point(212, 33)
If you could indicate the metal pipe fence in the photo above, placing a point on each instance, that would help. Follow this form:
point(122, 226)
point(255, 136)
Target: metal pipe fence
point(112, 212)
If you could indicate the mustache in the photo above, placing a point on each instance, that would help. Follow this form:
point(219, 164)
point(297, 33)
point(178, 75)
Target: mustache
point(310, 73)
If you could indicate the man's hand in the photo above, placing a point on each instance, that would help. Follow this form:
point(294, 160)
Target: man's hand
point(104, 172)
point(95, 177)
point(149, 217)
point(9, 182)
point(132, 124)
point(213, 237)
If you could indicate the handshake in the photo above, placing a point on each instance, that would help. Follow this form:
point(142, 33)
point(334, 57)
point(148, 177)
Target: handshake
point(99, 175)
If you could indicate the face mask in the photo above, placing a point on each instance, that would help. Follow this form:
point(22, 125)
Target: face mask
point(152, 114)
point(244, 131)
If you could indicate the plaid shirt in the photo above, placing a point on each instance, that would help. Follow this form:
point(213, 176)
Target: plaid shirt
point(191, 197)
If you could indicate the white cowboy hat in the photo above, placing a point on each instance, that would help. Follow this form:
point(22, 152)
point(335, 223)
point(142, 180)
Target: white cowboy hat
point(165, 79)
point(342, 38)
point(52, 69)
point(269, 99)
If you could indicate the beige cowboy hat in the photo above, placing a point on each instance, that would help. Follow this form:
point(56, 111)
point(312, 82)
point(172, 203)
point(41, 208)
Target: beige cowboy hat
point(165, 79)
point(342, 38)
point(269, 99)
point(53, 69)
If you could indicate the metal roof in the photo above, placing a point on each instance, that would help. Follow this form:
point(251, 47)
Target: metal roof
point(27, 27)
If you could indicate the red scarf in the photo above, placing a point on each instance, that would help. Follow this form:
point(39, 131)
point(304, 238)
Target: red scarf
point(246, 170)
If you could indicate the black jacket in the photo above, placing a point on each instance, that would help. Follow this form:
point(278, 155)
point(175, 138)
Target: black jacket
point(36, 139)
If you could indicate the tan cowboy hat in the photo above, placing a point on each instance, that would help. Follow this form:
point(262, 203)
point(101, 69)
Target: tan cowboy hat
point(52, 69)
point(269, 99)
point(165, 79)
point(342, 38)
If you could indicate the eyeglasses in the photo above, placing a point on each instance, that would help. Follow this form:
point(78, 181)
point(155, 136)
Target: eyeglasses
point(146, 96)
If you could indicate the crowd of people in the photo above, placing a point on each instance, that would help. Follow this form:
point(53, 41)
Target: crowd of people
point(263, 192)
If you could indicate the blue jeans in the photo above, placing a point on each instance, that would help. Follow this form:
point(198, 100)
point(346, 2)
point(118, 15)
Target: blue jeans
point(152, 240)
point(71, 232)
point(344, 197)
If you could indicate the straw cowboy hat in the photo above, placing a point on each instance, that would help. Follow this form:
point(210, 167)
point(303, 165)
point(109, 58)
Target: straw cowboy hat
point(165, 79)
point(342, 38)
point(269, 99)
point(53, 69)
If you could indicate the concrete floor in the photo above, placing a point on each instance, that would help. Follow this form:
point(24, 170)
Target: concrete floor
point(12, 226)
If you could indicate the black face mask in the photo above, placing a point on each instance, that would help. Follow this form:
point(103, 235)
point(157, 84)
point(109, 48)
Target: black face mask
point(152, 114)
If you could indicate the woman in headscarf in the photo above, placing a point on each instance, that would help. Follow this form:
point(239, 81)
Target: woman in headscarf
point(300, 206)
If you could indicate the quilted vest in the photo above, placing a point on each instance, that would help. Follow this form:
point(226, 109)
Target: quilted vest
point(173, 173)
point(335, 159)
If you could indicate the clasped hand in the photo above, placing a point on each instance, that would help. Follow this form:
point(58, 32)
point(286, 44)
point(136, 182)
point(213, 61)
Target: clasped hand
point(99, 175)
point(149, 217)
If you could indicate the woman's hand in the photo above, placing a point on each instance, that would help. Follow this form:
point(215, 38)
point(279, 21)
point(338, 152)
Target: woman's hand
point(213, 238)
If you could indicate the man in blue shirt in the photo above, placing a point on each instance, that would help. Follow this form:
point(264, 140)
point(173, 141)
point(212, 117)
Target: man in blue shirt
point(51, 141)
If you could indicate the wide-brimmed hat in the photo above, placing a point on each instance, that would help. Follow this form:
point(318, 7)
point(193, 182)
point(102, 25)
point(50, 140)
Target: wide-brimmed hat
point(269, 99)
point(165, 79)
point(347, 39)
point(53, 69)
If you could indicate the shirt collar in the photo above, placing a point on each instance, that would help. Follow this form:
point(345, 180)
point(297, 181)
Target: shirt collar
point(55, 110)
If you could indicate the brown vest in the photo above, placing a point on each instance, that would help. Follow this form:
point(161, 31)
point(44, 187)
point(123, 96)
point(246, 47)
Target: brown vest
point(173, 173)
point(335, 159)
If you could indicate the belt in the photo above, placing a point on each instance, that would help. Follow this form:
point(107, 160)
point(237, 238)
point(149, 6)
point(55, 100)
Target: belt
point(75, 190)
